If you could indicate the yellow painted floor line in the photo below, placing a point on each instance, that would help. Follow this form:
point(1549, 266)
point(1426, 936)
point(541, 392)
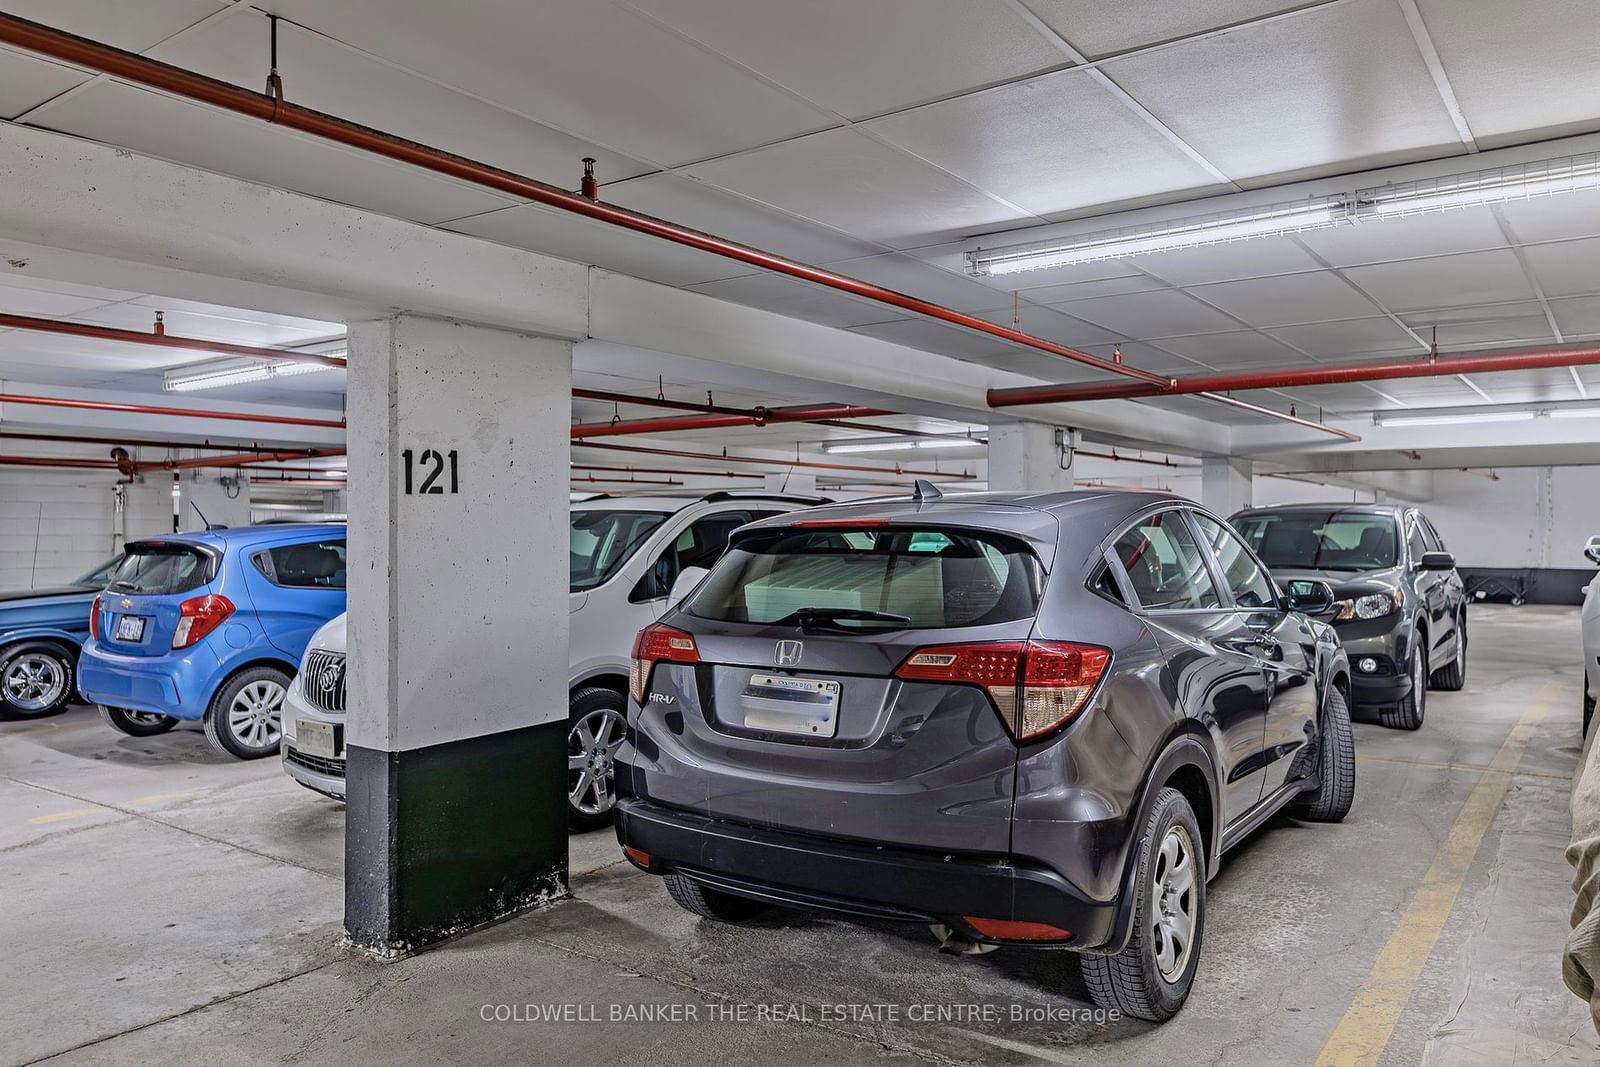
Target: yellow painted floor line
point(58, 816)
point(1363, 1031)
point(1473, 768)
point(156, 798)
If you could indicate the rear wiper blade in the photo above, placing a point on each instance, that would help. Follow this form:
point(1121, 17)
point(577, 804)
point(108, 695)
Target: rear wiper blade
point(830, 618)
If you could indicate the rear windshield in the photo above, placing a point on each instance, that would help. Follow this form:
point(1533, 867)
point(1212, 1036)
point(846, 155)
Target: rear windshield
point(1321, 540)
point(161, 568)
point(931, 578)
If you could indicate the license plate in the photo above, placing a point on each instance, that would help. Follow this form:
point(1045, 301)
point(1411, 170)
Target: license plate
point(130, 628)
point(315, 738)
point(791, 705)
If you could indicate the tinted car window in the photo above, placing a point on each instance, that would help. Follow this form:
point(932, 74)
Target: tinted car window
point(935, 578)
point(1416, 544)
point(161, 568)
point(1165, 565)
point(601, 541)
point(1249, 584)
point(1321, 540)
point(1431, 532)
point(100, 576)
point(316, 564)
point(700, 545)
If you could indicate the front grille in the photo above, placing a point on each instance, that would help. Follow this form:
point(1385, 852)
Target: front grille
point(322, 680)
point(333, 768)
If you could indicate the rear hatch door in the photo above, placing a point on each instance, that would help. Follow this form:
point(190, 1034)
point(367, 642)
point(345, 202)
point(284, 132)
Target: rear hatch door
point(794, 718)
point(139, 609)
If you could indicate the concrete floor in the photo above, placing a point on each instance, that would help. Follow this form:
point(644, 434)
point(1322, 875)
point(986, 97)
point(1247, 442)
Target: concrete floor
point(159, 902)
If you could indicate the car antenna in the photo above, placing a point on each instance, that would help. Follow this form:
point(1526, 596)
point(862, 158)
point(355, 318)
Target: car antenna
point(924, 491)
point(203, 518)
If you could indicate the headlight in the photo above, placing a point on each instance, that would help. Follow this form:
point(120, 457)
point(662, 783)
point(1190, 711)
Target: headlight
point(1371, 606)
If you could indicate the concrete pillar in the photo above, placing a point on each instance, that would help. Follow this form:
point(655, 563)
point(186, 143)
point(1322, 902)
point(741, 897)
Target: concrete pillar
point(1225, 483)
point(456, 736)
point(1028, 457)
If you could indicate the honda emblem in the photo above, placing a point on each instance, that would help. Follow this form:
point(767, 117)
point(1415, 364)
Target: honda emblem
point(788, 653)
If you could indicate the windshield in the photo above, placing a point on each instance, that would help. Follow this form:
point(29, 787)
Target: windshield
point(601, 541)
point(871, 579)
point(1322, 540)
point(160, 569)
point(100, 576)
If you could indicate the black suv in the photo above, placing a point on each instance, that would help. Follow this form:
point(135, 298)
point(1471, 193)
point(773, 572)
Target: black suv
point(1400, 607)
point(1020, 719)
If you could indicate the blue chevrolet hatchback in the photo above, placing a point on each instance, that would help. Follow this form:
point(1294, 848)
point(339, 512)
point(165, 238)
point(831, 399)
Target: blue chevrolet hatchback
point(210, 626)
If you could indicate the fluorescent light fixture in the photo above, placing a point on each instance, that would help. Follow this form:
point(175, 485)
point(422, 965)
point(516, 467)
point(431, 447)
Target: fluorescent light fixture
point(236, 372)
point(896, 444)
point(1549, 177)
point(1574, 413)
point(1443, 418)
point(1269, 220)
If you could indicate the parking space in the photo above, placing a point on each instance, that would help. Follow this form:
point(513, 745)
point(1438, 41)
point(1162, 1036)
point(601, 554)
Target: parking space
point(176, 905)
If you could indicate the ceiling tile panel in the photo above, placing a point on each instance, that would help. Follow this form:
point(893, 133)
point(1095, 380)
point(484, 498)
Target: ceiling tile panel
point(933, 336)
point(1420, 235)
point(1289, 298)
point(17, 300)
point(803, 300)
point(1571, 268)
point(594, 70)
point(860, 59)
point(1516, 330)
point(1333, 340)
point(1056, 144)
point(1099, 27)
point(27, 81)
point(1052, 325)
point(1518, 68)
point(910, 275)
point(1579, 317)
point(161, 126)
point(1235, 349)
point(1061, 294)
point(847, 180)
point(1331, 89)
point(1553, 218)
point(1477, 277)
point(1224, 262)
point(1162, 313)
point(125, 25)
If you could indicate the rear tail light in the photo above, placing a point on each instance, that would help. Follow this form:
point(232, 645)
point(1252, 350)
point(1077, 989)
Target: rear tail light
point(198, 616)
point(1015, 930)
point(94, 618)
point(1036, 686)
point(654, 643)
point(638, 857)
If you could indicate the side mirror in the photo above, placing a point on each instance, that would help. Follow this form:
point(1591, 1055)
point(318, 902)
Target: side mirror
point(1592, 549)
point(1309, 596)
point(1436, 561)
point(688, 578)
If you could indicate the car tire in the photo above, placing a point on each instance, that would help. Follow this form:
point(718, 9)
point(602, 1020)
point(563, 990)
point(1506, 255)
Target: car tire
point(137, 723)
point(245, 718)
point(36, 679)
point(1134, 980)
point(596, 723)
point(1336, 765)
point(1408, 713)
point(1453, 675)
point(710, 903)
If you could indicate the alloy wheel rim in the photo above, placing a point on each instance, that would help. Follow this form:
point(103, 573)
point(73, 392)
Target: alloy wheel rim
point(1419, 679)
point(255, 715)
point(592, 745)
point(33, 681)
point(1174, 916)
point(144, 718)
point(1461, 644)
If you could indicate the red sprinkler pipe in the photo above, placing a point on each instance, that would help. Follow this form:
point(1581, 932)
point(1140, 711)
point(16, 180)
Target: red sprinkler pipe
point(161, 339)
point(716, 457)
point(1287, 378)
point(714, 409)
point(139, 70)
point(146, 409)
point(759, 417)
point(57, 461)
point(243, 459)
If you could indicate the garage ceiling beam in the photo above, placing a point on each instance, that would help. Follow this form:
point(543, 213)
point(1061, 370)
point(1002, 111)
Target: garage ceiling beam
point(722, 457)
point(181, 413)
point(158, 338)
point(176, 81)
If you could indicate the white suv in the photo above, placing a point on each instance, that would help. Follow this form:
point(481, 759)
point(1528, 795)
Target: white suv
point(1591, 636)
point(627, 554)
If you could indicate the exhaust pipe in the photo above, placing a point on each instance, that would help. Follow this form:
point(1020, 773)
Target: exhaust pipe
point(956, 944)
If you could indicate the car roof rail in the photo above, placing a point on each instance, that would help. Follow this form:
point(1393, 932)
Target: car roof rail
point(719, 496)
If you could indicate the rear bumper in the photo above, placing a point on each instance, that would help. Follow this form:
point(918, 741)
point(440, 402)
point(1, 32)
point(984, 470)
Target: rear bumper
point(859, 879)
point(178, 684)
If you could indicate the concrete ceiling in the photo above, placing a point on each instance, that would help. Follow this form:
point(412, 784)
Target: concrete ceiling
point(879, 139)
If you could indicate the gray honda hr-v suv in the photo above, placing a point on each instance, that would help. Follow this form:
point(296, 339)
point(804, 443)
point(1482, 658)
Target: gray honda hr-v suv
point(1020, 719)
